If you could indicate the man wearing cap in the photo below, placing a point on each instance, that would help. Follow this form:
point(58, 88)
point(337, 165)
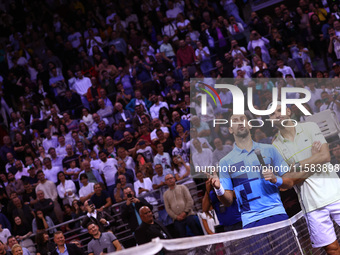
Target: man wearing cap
point(305, 147)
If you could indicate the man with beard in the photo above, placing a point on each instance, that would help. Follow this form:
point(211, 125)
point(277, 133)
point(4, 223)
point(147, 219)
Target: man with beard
point(258, 196)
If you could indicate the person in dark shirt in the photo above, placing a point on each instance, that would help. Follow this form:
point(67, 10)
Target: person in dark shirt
point(129, 142)
point(71, 156)
point(29, 197)
point(150, 228)
point(130, 209)
point(101, 198)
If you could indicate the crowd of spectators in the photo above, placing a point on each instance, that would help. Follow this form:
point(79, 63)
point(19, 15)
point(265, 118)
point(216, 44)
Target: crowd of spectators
point(95, 101)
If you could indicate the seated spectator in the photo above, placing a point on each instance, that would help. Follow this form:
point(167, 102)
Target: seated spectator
point(66, 189)
point(70, 123)
point(220, 151)
point(49, 192)
point(62, 247)
point(23, 231)
point(122, 170)
point(101, 241)
point(180, 149)
point(105, 111)
point(92, 174)
point(7, 147)
point(122, 114)
point(73, 171)
point(150, 228)
point(101, 198)
point(44, 245)
point(4, 234)
point(185, 55)
point(143, 186)
point(162, 157)
point(42, 223)
point(101, 218)
point(23, 211)
point(104, 130)
point(181, 169)
point(51, 171)
point(178, 204)
point(29, 197)
point(21, 172)
point(138, 100)
point(123, 155)
point(17, 249)
point(87, 190)
point(14, 185)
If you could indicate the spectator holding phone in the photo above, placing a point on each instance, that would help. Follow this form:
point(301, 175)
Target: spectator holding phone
point(130, 210)
point(102, 219)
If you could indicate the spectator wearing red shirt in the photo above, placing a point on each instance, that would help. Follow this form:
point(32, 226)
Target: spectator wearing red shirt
point(185, 54)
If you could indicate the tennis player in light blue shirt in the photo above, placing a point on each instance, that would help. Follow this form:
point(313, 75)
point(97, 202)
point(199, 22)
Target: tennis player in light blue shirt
point(258, 199)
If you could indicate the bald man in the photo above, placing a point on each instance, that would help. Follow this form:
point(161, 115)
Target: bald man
point(150, 228)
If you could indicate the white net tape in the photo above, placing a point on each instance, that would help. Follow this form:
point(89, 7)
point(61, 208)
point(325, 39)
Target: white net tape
point(285, 237)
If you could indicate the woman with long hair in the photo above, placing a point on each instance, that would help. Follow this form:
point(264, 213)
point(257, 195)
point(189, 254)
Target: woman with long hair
point(180, 130)
point(85, 132)
point(22, 232)
point(67, 190)
point(181, 169)
point(44, 245)
point(41, 223)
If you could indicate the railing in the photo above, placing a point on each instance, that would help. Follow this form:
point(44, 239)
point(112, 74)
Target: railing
point(123, 231)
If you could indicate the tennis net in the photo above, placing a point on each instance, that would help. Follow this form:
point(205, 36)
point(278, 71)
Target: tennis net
point(286, 237)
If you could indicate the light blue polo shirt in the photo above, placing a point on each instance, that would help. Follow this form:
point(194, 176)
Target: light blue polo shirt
point(256, 198)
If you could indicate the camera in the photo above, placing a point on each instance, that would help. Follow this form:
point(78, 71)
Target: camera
point(129, 195)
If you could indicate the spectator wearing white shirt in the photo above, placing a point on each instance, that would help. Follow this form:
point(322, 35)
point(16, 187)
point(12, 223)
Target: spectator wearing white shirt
point(143, 186)
point(66, 189)
point(172, 11)
point(76, 39)
point(108, 168)
point(87, 190)
point(203, 157)
point(162, 158)
point(93, 41)
point(81, 86)
point(203, 55)
point(61, 149)
point(256, 40)
point(49, 141)
point(156, 123)
point(51, 172)
point(154, 109)
point(236, 49)
point(239, 66)
point(21, 171)
point(285, 70)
